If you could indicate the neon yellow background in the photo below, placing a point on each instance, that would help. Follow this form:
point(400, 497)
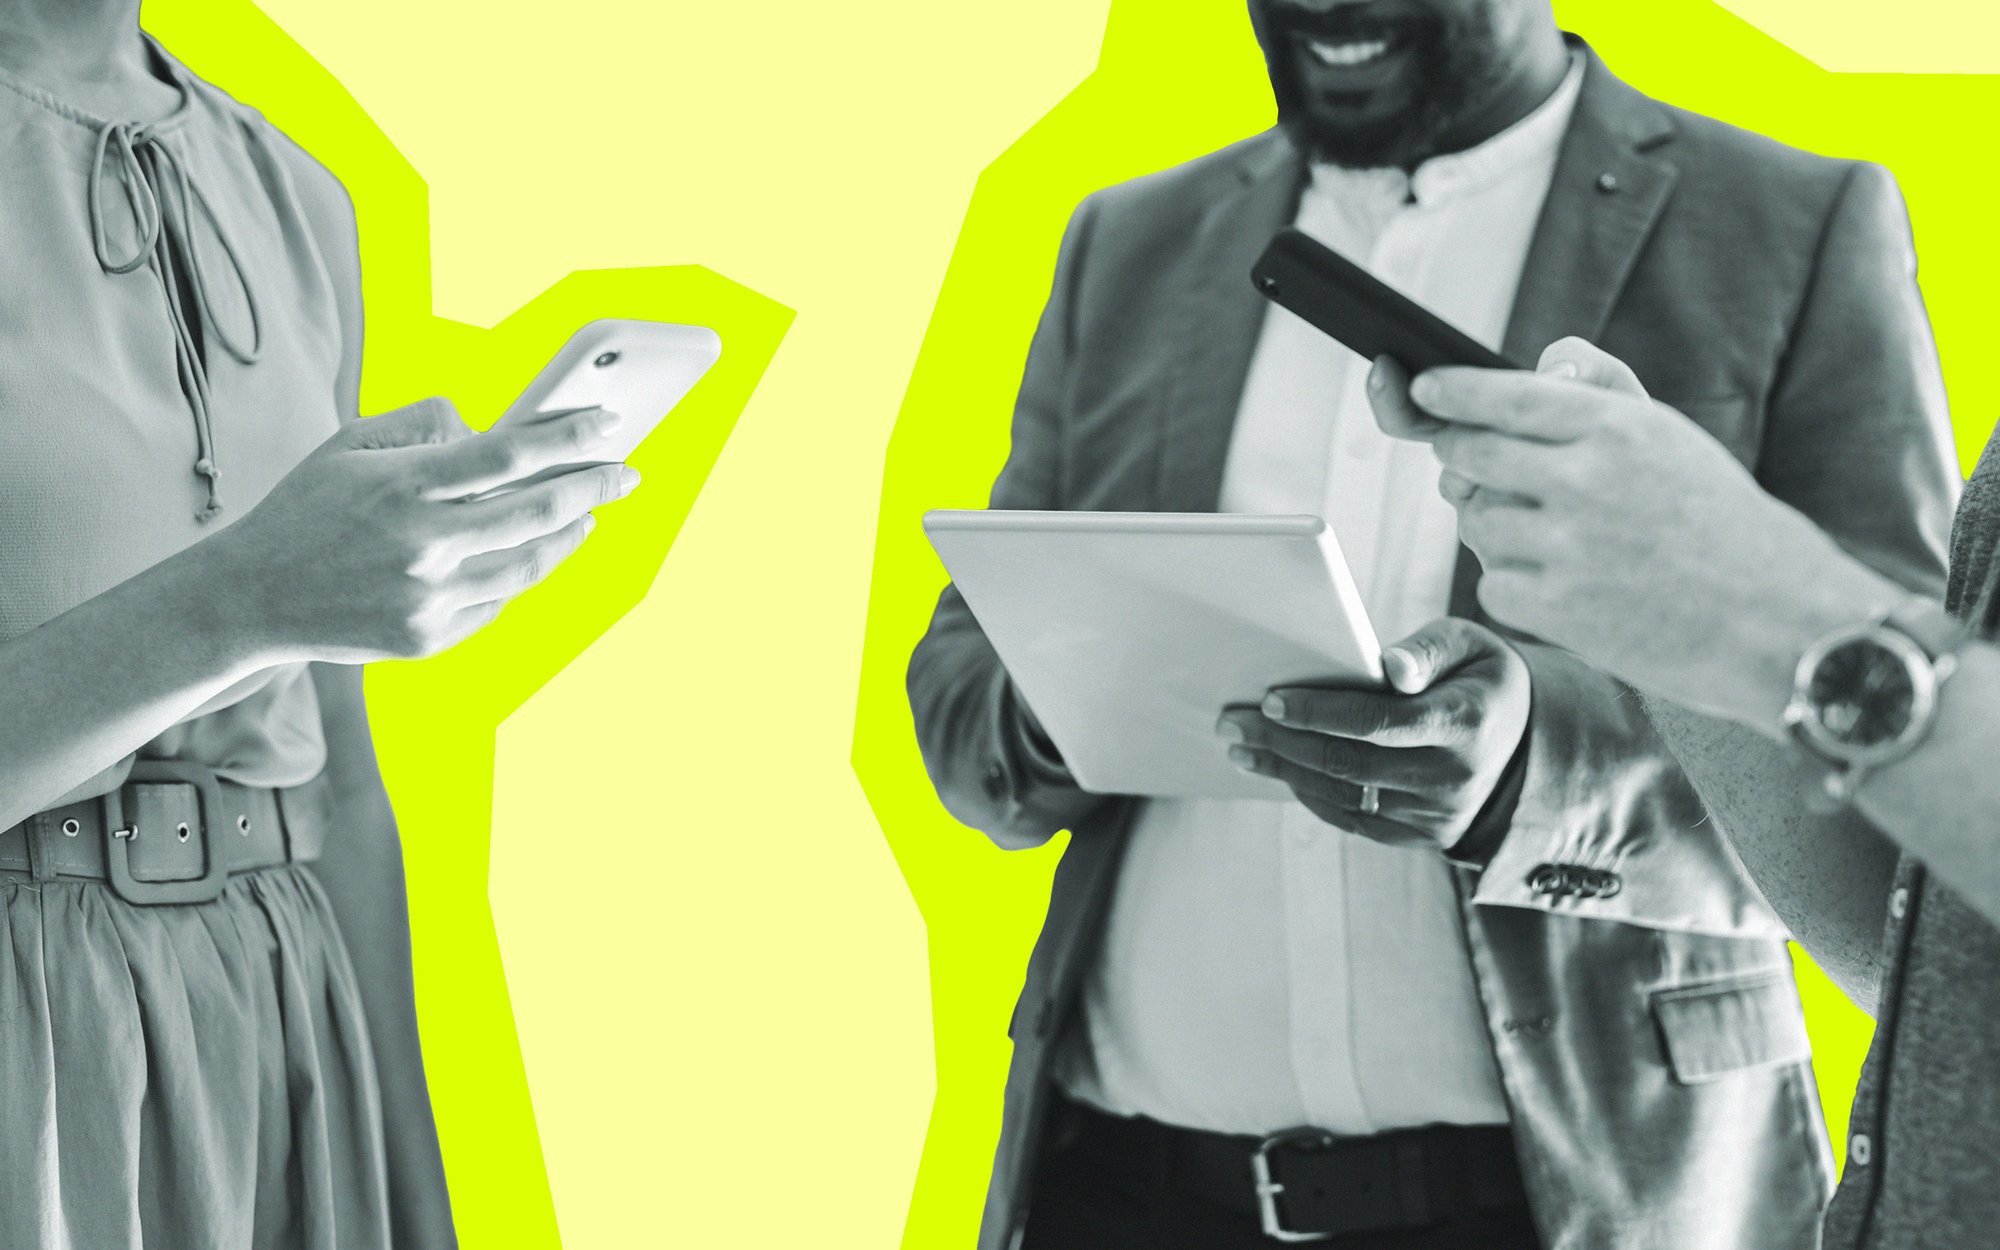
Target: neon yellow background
point(713, 963)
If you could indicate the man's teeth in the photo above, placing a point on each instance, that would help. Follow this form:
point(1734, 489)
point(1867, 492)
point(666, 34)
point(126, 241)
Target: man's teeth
point(1348, 53)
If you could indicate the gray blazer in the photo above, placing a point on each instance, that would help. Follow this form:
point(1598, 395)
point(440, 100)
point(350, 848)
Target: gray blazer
point(1650, 1041)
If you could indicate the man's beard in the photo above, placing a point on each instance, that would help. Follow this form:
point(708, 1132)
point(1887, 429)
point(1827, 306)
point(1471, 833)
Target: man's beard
point(1456, 64)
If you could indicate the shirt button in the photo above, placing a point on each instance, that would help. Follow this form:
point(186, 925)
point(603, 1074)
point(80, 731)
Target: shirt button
point(1860, 1150)
point(1899, 903)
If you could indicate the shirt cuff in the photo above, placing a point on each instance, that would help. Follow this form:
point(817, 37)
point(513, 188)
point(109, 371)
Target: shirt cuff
point(1481, 840)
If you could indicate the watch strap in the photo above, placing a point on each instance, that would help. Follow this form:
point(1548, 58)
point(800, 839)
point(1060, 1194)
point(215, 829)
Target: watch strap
point(1927, 623)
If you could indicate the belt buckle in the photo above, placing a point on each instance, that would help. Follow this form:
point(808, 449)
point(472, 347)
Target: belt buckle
point(119, 836)
point(1269, 1188)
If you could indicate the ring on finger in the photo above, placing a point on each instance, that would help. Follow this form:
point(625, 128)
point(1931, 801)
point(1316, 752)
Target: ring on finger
point(1371, 800)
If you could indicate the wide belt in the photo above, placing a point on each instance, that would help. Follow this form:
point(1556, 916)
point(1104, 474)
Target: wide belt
point(173, 833)
point(1306, 1185)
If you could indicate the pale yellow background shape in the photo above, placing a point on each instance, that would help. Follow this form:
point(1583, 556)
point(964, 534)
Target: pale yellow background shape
point(717, 972)
point(1868, 37)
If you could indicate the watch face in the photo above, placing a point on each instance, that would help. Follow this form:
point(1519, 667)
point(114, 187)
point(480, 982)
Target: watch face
point(1862, 694)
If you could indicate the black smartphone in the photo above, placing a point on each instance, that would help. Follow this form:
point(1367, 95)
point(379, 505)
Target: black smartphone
point(1347, 303)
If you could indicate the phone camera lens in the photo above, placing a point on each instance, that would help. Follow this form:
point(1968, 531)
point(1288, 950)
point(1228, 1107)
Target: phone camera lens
point(605, 361)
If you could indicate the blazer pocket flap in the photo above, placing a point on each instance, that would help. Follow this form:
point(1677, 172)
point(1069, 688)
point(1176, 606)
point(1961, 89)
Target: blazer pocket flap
point(1720, 1028)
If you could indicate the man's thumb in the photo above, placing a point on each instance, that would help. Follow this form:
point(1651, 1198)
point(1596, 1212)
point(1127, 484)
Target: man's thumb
point(1585, 362)
point(1413, 664)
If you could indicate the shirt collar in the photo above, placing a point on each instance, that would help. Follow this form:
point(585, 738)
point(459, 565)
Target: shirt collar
point(1455, 174)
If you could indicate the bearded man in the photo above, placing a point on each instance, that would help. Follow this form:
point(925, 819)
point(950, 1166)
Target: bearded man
point(1492, 978)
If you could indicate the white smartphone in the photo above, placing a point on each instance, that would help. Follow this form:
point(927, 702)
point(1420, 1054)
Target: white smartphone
point(640, 370)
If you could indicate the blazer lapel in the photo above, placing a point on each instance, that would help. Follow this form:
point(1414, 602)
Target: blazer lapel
point(1606, 195)
point(1604, 200)
point(1216, 323)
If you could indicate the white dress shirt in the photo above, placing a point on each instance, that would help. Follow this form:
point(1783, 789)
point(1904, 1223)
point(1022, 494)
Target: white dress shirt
point(1261, 970)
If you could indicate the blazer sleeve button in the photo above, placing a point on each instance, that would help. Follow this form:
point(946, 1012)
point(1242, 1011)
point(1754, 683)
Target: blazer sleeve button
point(1548, 880)
point(995, 783)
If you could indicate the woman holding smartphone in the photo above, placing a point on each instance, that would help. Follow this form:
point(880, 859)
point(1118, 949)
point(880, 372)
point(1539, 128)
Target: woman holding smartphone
point(207, 1037)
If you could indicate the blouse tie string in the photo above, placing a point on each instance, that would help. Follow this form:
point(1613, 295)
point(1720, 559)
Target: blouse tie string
point(163, 202)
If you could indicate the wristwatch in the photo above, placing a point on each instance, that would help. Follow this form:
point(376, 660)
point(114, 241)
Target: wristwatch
point(1866, 695)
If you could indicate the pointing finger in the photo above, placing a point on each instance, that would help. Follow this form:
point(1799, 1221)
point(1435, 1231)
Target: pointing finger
point(1509, 401)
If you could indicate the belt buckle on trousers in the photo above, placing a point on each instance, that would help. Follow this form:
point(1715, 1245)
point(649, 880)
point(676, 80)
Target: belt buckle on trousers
point(1387, 1195)
point(121, 833)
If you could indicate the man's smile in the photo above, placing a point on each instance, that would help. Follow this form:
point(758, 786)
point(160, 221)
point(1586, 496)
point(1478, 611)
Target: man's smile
point(1361, 61)
point(1355, 52)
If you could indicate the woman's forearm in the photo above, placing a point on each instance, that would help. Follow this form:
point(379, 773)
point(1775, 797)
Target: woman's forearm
point(386, 540)
point(95, 684)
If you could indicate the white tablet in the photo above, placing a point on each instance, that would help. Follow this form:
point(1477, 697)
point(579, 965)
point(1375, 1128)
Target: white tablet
point(1127, 633)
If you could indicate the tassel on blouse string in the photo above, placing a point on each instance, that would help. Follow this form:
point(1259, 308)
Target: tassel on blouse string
point(166, 229)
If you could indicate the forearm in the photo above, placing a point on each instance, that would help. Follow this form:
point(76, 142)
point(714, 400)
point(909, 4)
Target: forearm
point(1826, 876)
point(1941, 803)
point(362, 872)
point(1830, 876)
point(95, 684)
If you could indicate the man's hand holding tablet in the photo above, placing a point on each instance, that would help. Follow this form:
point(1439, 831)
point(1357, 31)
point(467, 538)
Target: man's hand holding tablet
point(1432, 750)
point(1125, 633)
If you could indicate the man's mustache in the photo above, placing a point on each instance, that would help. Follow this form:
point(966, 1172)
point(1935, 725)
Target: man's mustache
point(1347, 23)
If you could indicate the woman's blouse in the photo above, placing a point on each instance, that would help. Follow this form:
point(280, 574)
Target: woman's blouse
point(169, 344)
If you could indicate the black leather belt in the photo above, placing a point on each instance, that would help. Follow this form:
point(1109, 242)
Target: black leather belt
point(1306, 1185)
point(173, 833)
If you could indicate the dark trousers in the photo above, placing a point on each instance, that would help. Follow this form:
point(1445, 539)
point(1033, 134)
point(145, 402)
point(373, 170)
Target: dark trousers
point(1081, 1202)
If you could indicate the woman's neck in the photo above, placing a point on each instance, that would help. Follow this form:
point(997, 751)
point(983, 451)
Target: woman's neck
point(88, 52)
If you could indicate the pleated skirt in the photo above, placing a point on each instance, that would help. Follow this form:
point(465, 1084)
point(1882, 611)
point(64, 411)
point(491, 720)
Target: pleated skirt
point(184, 1077)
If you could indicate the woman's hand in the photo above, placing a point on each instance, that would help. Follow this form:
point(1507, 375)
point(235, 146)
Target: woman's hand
point(1616, 527)
point(383, 543)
